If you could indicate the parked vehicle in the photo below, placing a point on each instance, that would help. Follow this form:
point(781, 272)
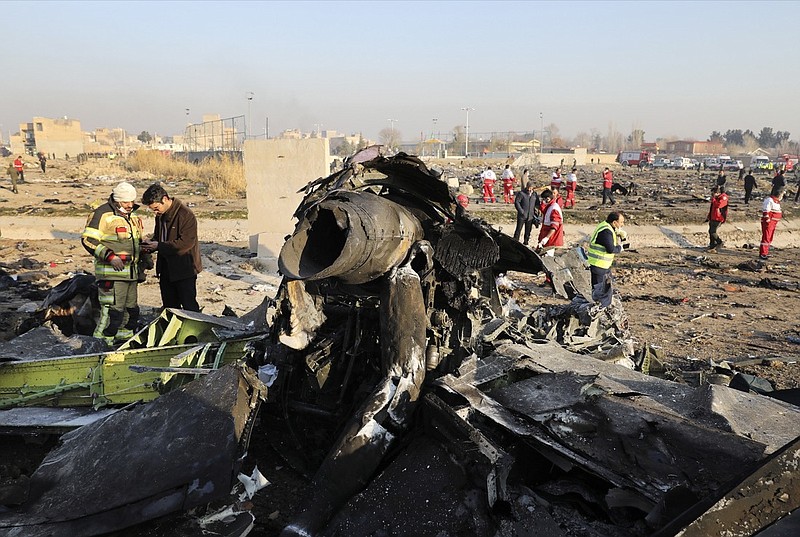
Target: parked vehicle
point(732, 165)
point(662, 162)
point(635, 158)
point(682, 163)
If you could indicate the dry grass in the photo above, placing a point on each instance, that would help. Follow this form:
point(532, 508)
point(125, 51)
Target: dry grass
point(224, 175)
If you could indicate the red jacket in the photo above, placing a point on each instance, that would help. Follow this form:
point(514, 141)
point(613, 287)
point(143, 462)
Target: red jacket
point(18, 164)
point(719, 208)
point(608, 179)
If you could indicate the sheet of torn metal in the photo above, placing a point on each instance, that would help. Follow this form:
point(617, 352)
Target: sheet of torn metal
point(769, 494)
point(650, 440)
point(177, 452)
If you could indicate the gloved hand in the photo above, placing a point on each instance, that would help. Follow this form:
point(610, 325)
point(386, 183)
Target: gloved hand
point(542, 243)
point(622, 234)
point(117, 263)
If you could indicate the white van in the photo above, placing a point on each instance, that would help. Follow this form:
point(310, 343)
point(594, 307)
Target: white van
point(682, 163)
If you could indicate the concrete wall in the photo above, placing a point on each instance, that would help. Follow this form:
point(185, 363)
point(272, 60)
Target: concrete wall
point(275, 170)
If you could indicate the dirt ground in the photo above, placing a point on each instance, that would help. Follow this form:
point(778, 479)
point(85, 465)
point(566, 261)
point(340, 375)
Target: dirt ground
point(690, 304)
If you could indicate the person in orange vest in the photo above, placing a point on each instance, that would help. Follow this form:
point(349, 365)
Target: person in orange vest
point(572, 184)
point(552, 232)
point(770, 214)
point(489, 179)
point(608, 180)
point(555, 180)
point(20, 168)
point(717, 214)
point(508, 184)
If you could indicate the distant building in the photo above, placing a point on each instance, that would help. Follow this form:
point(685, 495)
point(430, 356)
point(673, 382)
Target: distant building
point(59, 137)
point(690, 147)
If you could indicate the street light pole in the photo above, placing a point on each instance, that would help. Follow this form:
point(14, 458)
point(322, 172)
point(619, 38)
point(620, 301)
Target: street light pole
point(466, 140)
point(541, 135)
point(249, 96)
point(392, 122)
point(434, 137)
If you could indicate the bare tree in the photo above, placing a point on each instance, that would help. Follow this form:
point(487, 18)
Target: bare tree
point(390, 137)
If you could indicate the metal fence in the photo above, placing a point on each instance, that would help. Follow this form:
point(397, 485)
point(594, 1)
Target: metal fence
point(218, 135)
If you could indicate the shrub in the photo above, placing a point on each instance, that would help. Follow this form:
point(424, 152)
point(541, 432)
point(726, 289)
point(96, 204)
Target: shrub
point(224, 175)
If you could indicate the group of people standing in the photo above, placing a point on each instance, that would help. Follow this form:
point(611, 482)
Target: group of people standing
point(114, 236)
point(771, 212)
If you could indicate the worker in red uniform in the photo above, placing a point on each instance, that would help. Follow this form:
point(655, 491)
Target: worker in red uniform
point(555, 180)
point(20, 168)
point(508, 184)
point(608, 180)
point(552, 232)
point(572, 184)
point(463, 200)
point(489, 179)
point(770, 214)
point(717, 214)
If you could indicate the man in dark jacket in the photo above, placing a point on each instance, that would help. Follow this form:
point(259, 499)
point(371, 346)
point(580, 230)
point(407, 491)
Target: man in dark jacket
point(527, 205)
point(175, 239)
point(749, 184)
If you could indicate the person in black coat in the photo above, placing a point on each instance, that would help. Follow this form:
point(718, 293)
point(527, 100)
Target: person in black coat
point(527, 205)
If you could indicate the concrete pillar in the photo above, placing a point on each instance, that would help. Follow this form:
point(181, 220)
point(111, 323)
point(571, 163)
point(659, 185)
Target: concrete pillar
point(275, 170)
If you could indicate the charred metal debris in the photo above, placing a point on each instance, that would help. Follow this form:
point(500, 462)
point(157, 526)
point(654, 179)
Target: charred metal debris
point(392, 371)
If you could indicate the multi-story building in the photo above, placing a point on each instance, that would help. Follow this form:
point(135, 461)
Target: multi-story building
point(60, 137)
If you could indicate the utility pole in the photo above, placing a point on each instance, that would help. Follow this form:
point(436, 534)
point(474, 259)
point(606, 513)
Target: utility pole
point(466, 140)
point(249, 96)
point(541, 135)
point(392, 122)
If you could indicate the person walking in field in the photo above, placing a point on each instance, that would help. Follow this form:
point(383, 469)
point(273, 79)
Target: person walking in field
point(489, 179)
point(608, 181)
point(20, 167)
point(508, 184)
point(555, 180)
point(12, 172)
point(770, 215)
point(552, 232)
point(749, 184)
point(572, 184)
point(717, 215)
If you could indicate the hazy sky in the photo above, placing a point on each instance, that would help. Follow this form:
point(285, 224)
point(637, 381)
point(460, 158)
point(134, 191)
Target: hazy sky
point(670, 68)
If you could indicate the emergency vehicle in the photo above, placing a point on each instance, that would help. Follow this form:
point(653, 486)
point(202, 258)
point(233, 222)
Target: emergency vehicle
point(635, 158)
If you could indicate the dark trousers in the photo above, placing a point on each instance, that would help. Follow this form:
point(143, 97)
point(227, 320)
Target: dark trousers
point(608, 195)
point(518, 230)
point(180, 294)
point(748, 194)
point(602, 286)
point(713, 237)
